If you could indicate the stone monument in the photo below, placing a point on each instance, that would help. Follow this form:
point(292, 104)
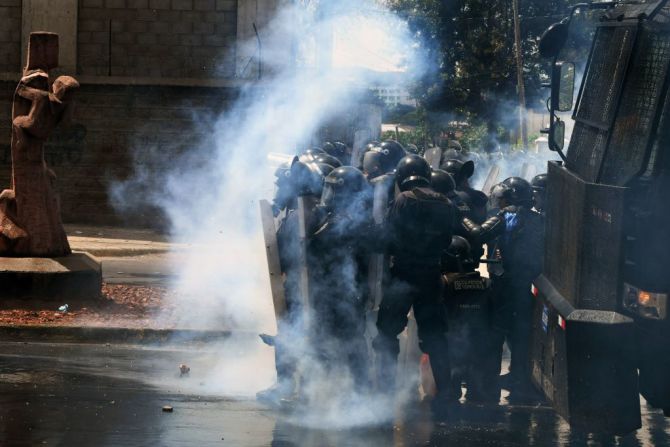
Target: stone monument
point(36, 257)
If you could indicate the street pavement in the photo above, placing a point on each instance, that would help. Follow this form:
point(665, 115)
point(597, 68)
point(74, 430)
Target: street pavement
point(112, 395)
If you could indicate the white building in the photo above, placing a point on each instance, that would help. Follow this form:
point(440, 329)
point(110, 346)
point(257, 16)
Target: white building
point(394, 95)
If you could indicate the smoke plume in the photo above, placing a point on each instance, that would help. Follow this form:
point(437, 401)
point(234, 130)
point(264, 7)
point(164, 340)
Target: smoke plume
point(210, 191)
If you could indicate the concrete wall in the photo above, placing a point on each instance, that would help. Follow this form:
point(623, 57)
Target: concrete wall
point(10, 36)
point(56, 16)
point(114, 127)
point(145, 67)
point(157, 38)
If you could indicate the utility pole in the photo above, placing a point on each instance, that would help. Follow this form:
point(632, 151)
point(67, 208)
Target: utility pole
point(518, 51)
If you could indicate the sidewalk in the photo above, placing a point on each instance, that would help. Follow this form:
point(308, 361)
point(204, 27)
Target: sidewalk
point(136, 299)
point(114, 241)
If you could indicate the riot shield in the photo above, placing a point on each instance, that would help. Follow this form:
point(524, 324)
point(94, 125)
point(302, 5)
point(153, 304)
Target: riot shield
point(361, 137)
point(529, 172)
point(491, 179)
point(524, 170)
point(305, 208)
point(378, 261)
point(433, 156)
point(272, 252)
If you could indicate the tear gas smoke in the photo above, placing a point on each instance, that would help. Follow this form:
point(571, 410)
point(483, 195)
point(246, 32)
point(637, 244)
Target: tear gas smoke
point(210, 192)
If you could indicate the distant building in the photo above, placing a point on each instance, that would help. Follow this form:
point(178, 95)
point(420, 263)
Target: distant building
point(391, 89)
point(392, 96)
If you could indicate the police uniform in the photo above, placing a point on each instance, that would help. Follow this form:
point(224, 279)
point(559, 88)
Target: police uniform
point(521, 248)
point(420, 226)
point(472, 339)
point(338, 263)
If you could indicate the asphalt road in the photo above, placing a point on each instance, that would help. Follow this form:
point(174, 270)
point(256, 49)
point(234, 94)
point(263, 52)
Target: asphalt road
point(110, 395)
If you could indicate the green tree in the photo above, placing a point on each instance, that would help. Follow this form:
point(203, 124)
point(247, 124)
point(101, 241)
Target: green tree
point(469, 48)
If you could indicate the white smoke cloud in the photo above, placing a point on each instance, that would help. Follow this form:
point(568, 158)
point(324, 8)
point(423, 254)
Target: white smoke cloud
point(210, 194)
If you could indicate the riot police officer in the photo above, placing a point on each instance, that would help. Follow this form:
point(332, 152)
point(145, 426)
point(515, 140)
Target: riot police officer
point(476, 200)
point(472, 339)
point(284, 197)
point(539, 184)
point(420, 226)
point(338, 259)
point(298, 179)
point(338, 150)
point(382, 159)
point(521, 251)
point(476, 234)
point(379, 163)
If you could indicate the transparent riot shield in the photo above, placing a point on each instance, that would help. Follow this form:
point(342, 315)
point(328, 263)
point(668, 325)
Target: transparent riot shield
point(527, 171)
point(272, 253)
point(361, 137)
point(305, 209)
point(433, 156)
point(378, 261)
point(491, 179)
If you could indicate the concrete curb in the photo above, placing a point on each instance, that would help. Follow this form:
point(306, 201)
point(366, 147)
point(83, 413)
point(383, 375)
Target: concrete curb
point(122, 249)
point(122, 252)
point(92, 334)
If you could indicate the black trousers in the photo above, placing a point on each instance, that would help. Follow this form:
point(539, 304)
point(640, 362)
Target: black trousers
point(514, 317)
point(420, 290)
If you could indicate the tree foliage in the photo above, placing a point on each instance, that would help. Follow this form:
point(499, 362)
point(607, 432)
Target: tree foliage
point(469, 48)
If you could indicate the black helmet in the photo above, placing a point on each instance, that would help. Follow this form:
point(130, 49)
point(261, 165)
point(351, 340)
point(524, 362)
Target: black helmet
point(283, 173)
point(412, 149)
point(539, 182)
point(338, 150)
point(313, 150)
point(442, 182)
point(496, 194)
point(328, 159)
point(394, 149)
point(307, 178)
point(371, 144)
point(328, 147)
point(458, 169)
point(382, 159)
point(452, 154)
point(309, 155)
point(342, 187)
point(285, 192)
point(413, 170)
point(518, 192)
point(459, 256)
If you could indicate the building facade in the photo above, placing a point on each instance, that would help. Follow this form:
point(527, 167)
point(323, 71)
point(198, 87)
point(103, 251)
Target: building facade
point(146, 68)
